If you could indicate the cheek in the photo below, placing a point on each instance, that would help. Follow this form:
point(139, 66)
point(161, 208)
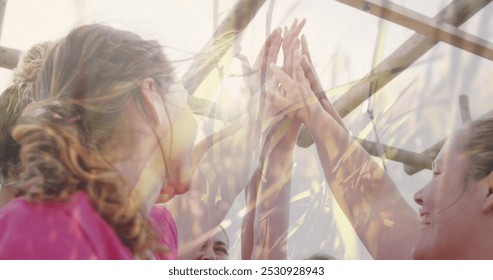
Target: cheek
point(441, 193)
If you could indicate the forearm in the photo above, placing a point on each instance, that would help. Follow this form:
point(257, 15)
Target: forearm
point(273, 209)
point(274, 194)
point(248, 221)
point(220, 176)
point(383, 220)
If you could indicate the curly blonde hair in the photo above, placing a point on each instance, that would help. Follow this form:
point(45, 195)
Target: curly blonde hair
point(84, 84)
point(12, 101)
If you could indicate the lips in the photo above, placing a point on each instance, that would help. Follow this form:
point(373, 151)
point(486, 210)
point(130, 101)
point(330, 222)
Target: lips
point(425, 217)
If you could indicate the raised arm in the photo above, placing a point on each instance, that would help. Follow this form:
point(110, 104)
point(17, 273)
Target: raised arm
point(381, 217)
point(221, 173)
point(272, 208)
point(266, 223)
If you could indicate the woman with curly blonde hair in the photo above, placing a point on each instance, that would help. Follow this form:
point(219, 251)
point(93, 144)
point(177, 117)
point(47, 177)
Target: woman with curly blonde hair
point(97, 149)
point(12, 101)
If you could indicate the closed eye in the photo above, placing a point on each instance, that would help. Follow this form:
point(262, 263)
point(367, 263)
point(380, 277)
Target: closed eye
point(222, 250)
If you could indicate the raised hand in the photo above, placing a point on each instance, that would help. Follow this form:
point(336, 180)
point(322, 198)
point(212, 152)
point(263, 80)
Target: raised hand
point(290, 44)
point(268, 54)
point(316, 86)
point(294, 96)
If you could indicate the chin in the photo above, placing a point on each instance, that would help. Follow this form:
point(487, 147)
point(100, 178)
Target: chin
point(415, 255)
point(424, 252)
point(419, 252)
point(178, 188)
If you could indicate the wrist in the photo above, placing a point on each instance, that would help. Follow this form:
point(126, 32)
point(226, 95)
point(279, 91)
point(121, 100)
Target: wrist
point(312, 115)
point(319, 123)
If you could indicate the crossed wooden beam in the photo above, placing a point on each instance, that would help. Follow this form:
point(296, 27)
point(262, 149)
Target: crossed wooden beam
point(429, 31)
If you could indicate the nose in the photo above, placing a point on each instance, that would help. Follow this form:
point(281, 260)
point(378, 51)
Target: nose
point(418, 196)
point(184, 175)
point(180, 175)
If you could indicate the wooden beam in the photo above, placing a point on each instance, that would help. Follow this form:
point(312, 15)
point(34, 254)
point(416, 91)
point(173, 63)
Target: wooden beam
point(9, 57)
point(222, 40)
point(456, 13)
point(419, 160)
point(3, 6)
point(432, 28)
point(465, 112)
point(414, 160)
point(430, 152)
point(433, 151)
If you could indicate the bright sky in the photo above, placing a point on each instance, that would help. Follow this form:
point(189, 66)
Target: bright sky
point(413, 112)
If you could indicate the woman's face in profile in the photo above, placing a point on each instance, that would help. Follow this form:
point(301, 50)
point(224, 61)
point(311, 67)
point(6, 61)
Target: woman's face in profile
point(181, 138)
point(450, 213)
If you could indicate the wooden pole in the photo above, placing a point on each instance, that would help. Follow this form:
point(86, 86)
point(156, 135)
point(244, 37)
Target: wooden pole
point(9, 57)
point(3, 6)
point(456, 13)
point(222, 40)
point(432, 28)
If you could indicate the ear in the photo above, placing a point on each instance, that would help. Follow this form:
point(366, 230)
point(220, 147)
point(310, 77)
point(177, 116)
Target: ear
point(488, 202)
point(151, 100)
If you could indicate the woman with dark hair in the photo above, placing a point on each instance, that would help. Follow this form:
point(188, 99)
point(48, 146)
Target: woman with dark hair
point(455, 219)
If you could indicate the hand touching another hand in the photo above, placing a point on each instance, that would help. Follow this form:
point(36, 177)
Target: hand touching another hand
point(293, 96)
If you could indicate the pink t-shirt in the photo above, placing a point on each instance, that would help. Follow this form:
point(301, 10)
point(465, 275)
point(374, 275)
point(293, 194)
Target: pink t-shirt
point(66, 230)
point(165, 226)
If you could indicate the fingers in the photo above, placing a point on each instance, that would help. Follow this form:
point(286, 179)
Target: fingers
point(298, 72)
point(273, 85)
point(273, 52)
point(259, 72)
point(298, 28)
point(310, 72)
point(316, 87)
point(274, 49)
point(275, 103)
point(304, 48)
point(272, 39)
point(312, 77)
point(274, 44)
point(292, 33)
point(288, 57)
point(282, 77)
point(291, 43)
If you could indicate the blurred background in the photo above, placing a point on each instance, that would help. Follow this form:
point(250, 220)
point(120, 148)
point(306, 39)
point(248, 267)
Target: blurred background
point(412, 112)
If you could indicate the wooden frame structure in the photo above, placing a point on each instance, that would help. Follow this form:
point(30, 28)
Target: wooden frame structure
point(429, 31)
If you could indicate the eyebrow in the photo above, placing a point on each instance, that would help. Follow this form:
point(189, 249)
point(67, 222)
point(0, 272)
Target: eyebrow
point(220, 243)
